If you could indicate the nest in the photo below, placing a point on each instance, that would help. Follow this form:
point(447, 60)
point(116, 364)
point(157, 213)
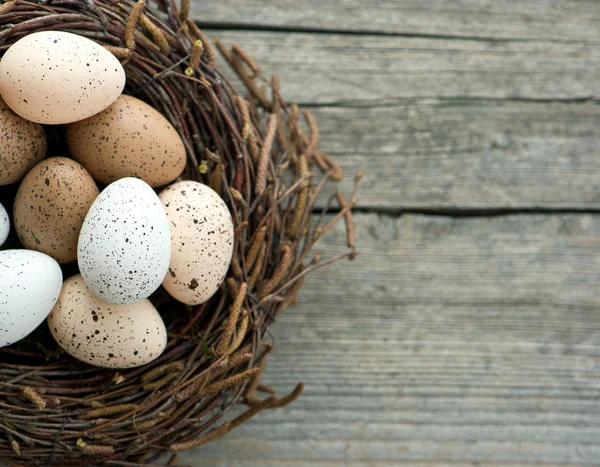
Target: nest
point(260, 154)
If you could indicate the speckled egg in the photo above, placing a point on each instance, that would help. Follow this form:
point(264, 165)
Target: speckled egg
point(30, 285)
point(56, 77)
point(51, 205)
point(128, 139)
point(4, 225)
point(105, 334)
point(202, 241)
point(125, 245)
point(22, 145)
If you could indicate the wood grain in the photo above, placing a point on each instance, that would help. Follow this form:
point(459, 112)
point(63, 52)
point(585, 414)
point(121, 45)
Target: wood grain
point(471, 341)
point(367, 69)
point(461, 154)
point(515, 149)
point(450, 341)
point(495, 19)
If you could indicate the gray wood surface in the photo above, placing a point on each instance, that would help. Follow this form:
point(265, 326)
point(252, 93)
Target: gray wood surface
point(447, 341)
point(356, 69)
point(495, 19)
point(451, 341)
point(447, 124)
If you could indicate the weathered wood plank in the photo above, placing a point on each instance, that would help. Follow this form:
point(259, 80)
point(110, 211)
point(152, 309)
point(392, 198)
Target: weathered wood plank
point(355, 69)
point(440, 154)
point(504, 19)
point(448, 342)
point(448, 151)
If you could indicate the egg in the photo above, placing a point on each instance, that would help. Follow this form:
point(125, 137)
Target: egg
point(51, 205)
point(124, 246)
point(4, 225)
point(23, 145)
point(30, 285)
point(202, 241)
point(56, 77)
point(128, 139)
point(105, 334)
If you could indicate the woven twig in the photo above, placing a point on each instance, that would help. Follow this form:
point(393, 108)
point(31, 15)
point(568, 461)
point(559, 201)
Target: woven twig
point(234, 312)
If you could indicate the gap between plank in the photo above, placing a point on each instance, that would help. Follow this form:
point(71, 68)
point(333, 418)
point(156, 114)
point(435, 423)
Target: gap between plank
point(232, 26)
point(454, 100)
point(468, 212)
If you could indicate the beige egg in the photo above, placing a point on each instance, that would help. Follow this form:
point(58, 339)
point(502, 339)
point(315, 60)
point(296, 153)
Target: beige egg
point(22, 145)
point(51, 205)
point(201, 241)
point(104, 334)
point(56, 77)
point(128, 139)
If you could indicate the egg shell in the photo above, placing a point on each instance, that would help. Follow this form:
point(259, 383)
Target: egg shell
point(51, 205)
point(124, 246)
point(128, 139)
point(202, 241)
point(4, 225)
point(56, 77)
point(105, 334)
point(30, 285)
point(23, 144)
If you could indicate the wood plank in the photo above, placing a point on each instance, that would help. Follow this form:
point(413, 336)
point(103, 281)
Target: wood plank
point(469, 341)
point(499, 19)
point(359, 69)
point(513, 150)
point(448, 154)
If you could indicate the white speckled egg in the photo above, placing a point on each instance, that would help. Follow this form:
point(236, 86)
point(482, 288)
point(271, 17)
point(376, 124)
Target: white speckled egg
point(56, 77)
point(30, 284)
point(4, 225)
point(124, 246)
point(105, 334)
point(202, 241)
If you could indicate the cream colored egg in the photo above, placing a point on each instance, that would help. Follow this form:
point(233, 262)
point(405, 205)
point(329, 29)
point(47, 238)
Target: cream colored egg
point(104, 334)
point(201, 241)
point(56, 77)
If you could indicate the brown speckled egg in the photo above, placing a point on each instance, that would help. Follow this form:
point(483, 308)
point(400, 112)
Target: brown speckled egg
point(22, 145)
point(51, 205)
point(104, 334)
point(201, 241)
point(128, 139)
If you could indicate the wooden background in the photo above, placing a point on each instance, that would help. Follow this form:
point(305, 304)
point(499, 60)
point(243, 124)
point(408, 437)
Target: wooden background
point(468, 330)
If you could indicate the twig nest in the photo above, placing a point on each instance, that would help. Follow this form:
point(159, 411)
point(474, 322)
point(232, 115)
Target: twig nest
point(166, 328)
